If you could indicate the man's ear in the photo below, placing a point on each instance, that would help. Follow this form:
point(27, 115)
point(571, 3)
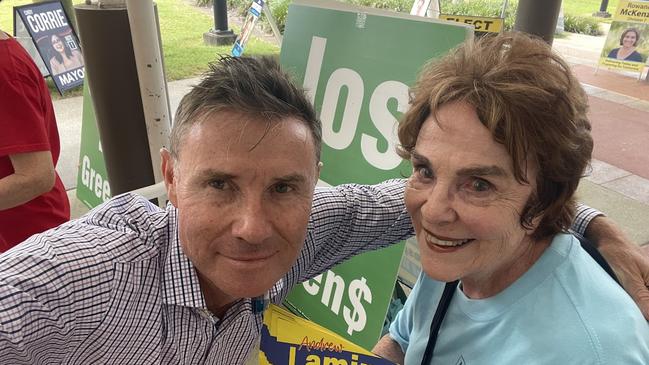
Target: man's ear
point(317, 171)
point(168, 173)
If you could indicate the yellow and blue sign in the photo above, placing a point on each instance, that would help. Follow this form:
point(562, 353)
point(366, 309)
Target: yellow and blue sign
point(627, 45)
point(289, 340)
point(480, 23)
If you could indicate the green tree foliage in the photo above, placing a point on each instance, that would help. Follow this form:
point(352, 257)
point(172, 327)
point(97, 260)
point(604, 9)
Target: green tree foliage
point(491, 8)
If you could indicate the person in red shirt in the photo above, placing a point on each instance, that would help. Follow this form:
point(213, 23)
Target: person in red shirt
point(32, 196)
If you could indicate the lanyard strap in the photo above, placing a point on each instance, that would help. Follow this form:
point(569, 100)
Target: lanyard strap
point(440, 312)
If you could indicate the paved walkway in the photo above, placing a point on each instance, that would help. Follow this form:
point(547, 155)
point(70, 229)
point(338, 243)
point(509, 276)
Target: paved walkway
point(620, 129)
point(619, 111)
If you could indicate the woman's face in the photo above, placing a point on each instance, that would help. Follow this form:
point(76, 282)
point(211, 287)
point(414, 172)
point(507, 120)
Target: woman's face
point(629, 39)
point(57, 44)
point(466, 204)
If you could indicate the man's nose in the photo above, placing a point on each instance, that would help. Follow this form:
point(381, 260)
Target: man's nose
point(252, 223)
point(438, 209)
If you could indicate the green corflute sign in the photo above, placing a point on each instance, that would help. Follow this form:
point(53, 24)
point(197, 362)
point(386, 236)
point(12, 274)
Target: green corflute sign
point(92, 179)
point(357, 64)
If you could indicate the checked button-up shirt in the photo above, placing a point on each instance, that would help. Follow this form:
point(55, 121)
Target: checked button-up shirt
point(114, 287)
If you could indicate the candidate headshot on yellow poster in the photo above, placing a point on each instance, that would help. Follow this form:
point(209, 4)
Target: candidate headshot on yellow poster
point(627, 42)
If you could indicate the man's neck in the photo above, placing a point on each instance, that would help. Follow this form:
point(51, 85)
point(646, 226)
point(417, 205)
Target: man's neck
point(3, 35)
point(216, 301)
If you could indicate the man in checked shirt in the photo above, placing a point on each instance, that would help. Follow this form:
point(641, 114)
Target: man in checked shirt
point(130, 283)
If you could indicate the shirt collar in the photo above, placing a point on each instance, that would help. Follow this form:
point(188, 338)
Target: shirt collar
point(180, 283)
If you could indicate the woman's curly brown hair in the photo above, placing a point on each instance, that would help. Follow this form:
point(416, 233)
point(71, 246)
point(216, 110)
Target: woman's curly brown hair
point(528, 98)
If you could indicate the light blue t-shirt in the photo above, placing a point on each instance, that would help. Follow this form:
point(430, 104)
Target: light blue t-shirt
point(564, 310)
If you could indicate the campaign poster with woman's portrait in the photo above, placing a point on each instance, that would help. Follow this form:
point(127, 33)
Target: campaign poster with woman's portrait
point(254, 12)
point(627, 44)
point(58, 45)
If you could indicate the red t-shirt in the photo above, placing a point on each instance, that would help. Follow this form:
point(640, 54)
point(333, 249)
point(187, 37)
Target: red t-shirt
point(27, 124)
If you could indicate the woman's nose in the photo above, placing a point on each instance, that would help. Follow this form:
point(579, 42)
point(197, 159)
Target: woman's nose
point(438, 209)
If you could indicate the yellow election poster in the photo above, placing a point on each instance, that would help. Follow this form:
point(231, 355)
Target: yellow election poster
point(481, 23)
point(287, 339)
point(627, 44)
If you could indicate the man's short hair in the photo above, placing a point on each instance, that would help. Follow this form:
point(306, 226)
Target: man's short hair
point(532, 104)
point(255, 87)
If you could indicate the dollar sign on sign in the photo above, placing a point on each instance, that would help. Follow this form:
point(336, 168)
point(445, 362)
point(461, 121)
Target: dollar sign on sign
point(356, 318)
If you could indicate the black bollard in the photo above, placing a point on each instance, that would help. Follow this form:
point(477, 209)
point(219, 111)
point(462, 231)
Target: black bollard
point(220, 35)
point(602, 13)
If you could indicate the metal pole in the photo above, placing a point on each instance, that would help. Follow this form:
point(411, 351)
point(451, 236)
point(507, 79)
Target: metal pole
point(148, 60)
point(503, 10)
point(538, 18)
point(602, 10)
point(603, 6)
point(221, 35)
point(220, 15)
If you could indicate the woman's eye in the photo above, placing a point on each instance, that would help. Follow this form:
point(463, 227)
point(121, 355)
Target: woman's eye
point(424, 172)
point(480, 185)
point(217, 184)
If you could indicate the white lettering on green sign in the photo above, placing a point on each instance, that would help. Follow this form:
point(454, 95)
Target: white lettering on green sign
point(380, 116)
point(94, 181)
point(358, 290)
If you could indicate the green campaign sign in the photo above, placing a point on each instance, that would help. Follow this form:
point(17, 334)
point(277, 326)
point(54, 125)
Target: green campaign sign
point(92, 179)
point(357, 64)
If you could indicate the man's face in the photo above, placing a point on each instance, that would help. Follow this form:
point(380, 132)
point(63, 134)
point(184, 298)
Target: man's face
point(243, 188)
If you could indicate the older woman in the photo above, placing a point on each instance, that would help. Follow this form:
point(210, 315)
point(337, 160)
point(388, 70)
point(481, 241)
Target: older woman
point(498, 138)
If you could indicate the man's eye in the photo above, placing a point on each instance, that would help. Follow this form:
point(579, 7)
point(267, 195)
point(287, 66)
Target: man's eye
point(217, 184)
point(282, 188)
